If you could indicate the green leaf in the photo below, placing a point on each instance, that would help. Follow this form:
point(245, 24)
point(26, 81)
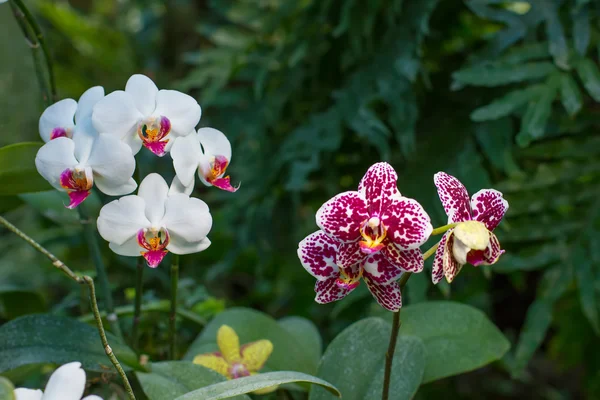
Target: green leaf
point(17, 169)
point(581, 29)
point(171, 379)
point(570, 95)
point(582, 265)
point(6, 389)
point(8, 203)
point(51, 204)
point(16, 301)
point(248, 384)
point(354, 362)
point(501, 74)
point(37, 339)
point(537, 322)
point(533, 125)
point(507, 104)
point(590, 76)
point(306, 333)
point(556, 34)
point(458, 337)
point(288, 352)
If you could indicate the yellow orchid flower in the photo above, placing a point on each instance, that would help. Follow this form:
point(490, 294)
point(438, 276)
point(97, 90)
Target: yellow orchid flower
point(234, 361)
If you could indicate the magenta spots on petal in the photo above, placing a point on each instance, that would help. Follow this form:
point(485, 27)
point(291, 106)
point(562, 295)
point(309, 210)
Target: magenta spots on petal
point(317, 253)
point(454, 197)
point(328, 291)
point(408, 225)
point(488, 207)
point(344, 284)
point(58, 132)
point(388, 296)
point(379, 187)
point(77, 197)
point(343, 216)
point(380, 270)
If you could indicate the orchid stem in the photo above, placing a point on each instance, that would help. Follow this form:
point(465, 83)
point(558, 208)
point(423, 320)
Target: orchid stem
point(173, 314)
point(389, 355)
point(41, 42)
point(443, 228)
point(82, 280)
point(92, 242)
point(139, 283)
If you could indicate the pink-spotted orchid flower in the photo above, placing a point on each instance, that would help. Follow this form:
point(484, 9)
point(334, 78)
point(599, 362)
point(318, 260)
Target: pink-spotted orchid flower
point(207, 151)
point(471, 240)
point(235, 361)
point(65, 117)
point(66, 383)
point(144, 115)
point(75, 165)
point(155, 221)
point(319, 255)
point(377, 219)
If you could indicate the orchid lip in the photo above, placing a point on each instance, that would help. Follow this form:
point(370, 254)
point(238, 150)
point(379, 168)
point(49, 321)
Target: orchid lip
point(153, 132)
point(238, 370)
point(214, 176)
point(60, 132)
point(155, 246)
point(78, 183)
point(372, 240)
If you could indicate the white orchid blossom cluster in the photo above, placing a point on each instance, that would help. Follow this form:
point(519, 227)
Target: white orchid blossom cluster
point(93, 142)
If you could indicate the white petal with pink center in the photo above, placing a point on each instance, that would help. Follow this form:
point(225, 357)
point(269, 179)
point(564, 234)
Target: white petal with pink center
point(208, 152)
point(75, 165)
point(64, 118)
point(142, 115)
point(66, 383)
point(157, 220)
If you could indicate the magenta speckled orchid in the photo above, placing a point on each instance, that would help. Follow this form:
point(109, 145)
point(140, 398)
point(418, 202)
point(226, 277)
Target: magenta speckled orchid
point(376, 219)
point(472, 240)
point(319, 255)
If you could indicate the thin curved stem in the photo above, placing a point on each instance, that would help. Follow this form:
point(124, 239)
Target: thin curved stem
point(92, 242)
point(139, 283)
point(173, 313)
point(389, 355)
point(443, 228)
point(83, 280)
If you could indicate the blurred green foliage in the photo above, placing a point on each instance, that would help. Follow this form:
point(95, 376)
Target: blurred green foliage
point(499, 93)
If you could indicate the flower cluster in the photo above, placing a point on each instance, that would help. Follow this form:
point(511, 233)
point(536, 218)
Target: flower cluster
point(375, 234)
point(93, 142)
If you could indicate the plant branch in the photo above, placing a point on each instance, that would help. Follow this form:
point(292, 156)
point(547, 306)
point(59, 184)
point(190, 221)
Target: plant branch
point(83, 280)
point(139, 283)
point(443, 228)
point(173, 313)
point(92, 242)
point(389, 355)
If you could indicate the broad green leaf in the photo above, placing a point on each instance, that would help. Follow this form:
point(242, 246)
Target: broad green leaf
point(506, 104)
point(171, 379)
point(248, 384)
point(496, 141)
point(556, 34)
point(537, 322)
point(582, 265)
point(458, 337)
point(251, 325)
point(581, 29)
point(305, 333)
point(17, 301)
point(6, 389)
point(8, 203)
point(51, 204)
point(354, 362)
point(17, 169)
point(570, 95)
point(533, 125)
point(501, 74)
point(590, 76)
point(41, 338)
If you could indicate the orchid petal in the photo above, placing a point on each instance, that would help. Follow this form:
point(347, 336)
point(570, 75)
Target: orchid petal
point(378, 269)
point(214, 361)
point(317, 253)
point(182, 110)
point(178, 187)
point(188, 218)
point(343, 215)
point(54, 158)
point(58, 115)
point(130, 248)
point(92, 397)
point(349, 254)
point(84, 138)
point(121, 219)
point(379, 187)
point(154, 191)
point(454, 197)
point(177, 245)
point(117, 114)
point(112, 162)
point(493, 252)
point(255, 354)
point(111, 188)
point(388, 296)
point(143, 93)
point(437, 270)
point(214, 143)
point(451, 266)
point(407, 260)
point(66, 383)
point(229, 344)
point(86, 103)
point(488, 207)
point(328, 291)
point(186, 154)
point(407, 223)
point(28, 394)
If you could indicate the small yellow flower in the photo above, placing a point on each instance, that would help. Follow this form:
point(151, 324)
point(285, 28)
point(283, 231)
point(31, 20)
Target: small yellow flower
point(234, 361)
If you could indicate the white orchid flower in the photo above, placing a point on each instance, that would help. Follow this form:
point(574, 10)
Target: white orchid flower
point(64, 118)
point(144, 115)
point(75, 165)
point(155, 221)
point(66, 383)
point(207, 151)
